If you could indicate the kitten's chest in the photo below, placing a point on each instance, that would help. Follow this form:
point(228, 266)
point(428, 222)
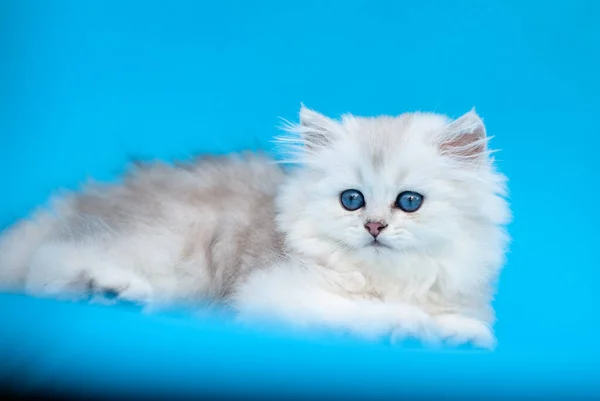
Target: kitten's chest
point(394, 283)
point(410, 279)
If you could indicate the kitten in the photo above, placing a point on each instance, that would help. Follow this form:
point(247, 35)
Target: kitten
point(387, 226)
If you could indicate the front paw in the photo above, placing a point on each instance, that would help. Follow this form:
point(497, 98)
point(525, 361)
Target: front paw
point(458, 330)
point(414, 323)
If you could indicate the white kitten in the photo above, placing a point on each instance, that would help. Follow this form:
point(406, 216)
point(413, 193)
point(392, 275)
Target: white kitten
point(388, 226)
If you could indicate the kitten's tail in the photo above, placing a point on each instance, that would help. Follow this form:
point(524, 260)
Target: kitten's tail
point(18, 243)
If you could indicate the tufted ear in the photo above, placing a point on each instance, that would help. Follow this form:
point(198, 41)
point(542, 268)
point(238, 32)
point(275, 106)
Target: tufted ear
point(465, 138)
point(317, 131)
point(302, 141)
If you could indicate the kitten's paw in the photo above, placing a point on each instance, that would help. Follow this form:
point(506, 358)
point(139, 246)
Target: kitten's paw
point(110, 288)
point(414, 323)
point(458, 330)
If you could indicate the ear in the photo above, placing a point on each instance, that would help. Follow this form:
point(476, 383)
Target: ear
point(465, 138)
point(316, 130)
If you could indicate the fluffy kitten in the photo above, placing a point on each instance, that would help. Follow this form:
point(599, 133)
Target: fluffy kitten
point(387, 226)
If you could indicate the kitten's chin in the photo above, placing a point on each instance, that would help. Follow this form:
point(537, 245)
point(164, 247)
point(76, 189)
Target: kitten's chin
point(377, 249)
point(378, 245)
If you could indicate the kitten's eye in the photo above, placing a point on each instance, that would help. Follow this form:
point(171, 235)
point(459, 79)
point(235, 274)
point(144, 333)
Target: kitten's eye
point(351, 199)
point(409, 201)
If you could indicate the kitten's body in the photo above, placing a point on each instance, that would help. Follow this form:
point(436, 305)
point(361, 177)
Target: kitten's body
point(167, 234)
point(280, 245)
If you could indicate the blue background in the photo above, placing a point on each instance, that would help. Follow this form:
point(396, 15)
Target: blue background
point(86, 85)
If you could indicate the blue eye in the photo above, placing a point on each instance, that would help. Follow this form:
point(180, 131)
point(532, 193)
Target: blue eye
point(409, 201)
point(351, 199)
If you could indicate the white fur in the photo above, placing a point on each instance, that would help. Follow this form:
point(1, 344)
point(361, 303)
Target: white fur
point(442, 262)
point(281, 246)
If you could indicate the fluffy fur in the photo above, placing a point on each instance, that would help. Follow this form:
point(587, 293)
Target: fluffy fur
point(278, 245)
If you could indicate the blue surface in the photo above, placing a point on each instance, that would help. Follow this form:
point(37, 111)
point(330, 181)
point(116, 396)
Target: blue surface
point(85, 85)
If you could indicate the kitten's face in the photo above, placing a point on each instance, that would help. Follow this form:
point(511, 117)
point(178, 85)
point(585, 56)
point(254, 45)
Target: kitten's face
point(378, 188)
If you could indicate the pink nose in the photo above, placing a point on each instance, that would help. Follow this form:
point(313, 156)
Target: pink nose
point(374, 227)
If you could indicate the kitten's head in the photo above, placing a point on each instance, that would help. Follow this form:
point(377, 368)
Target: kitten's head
point(379, 188)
